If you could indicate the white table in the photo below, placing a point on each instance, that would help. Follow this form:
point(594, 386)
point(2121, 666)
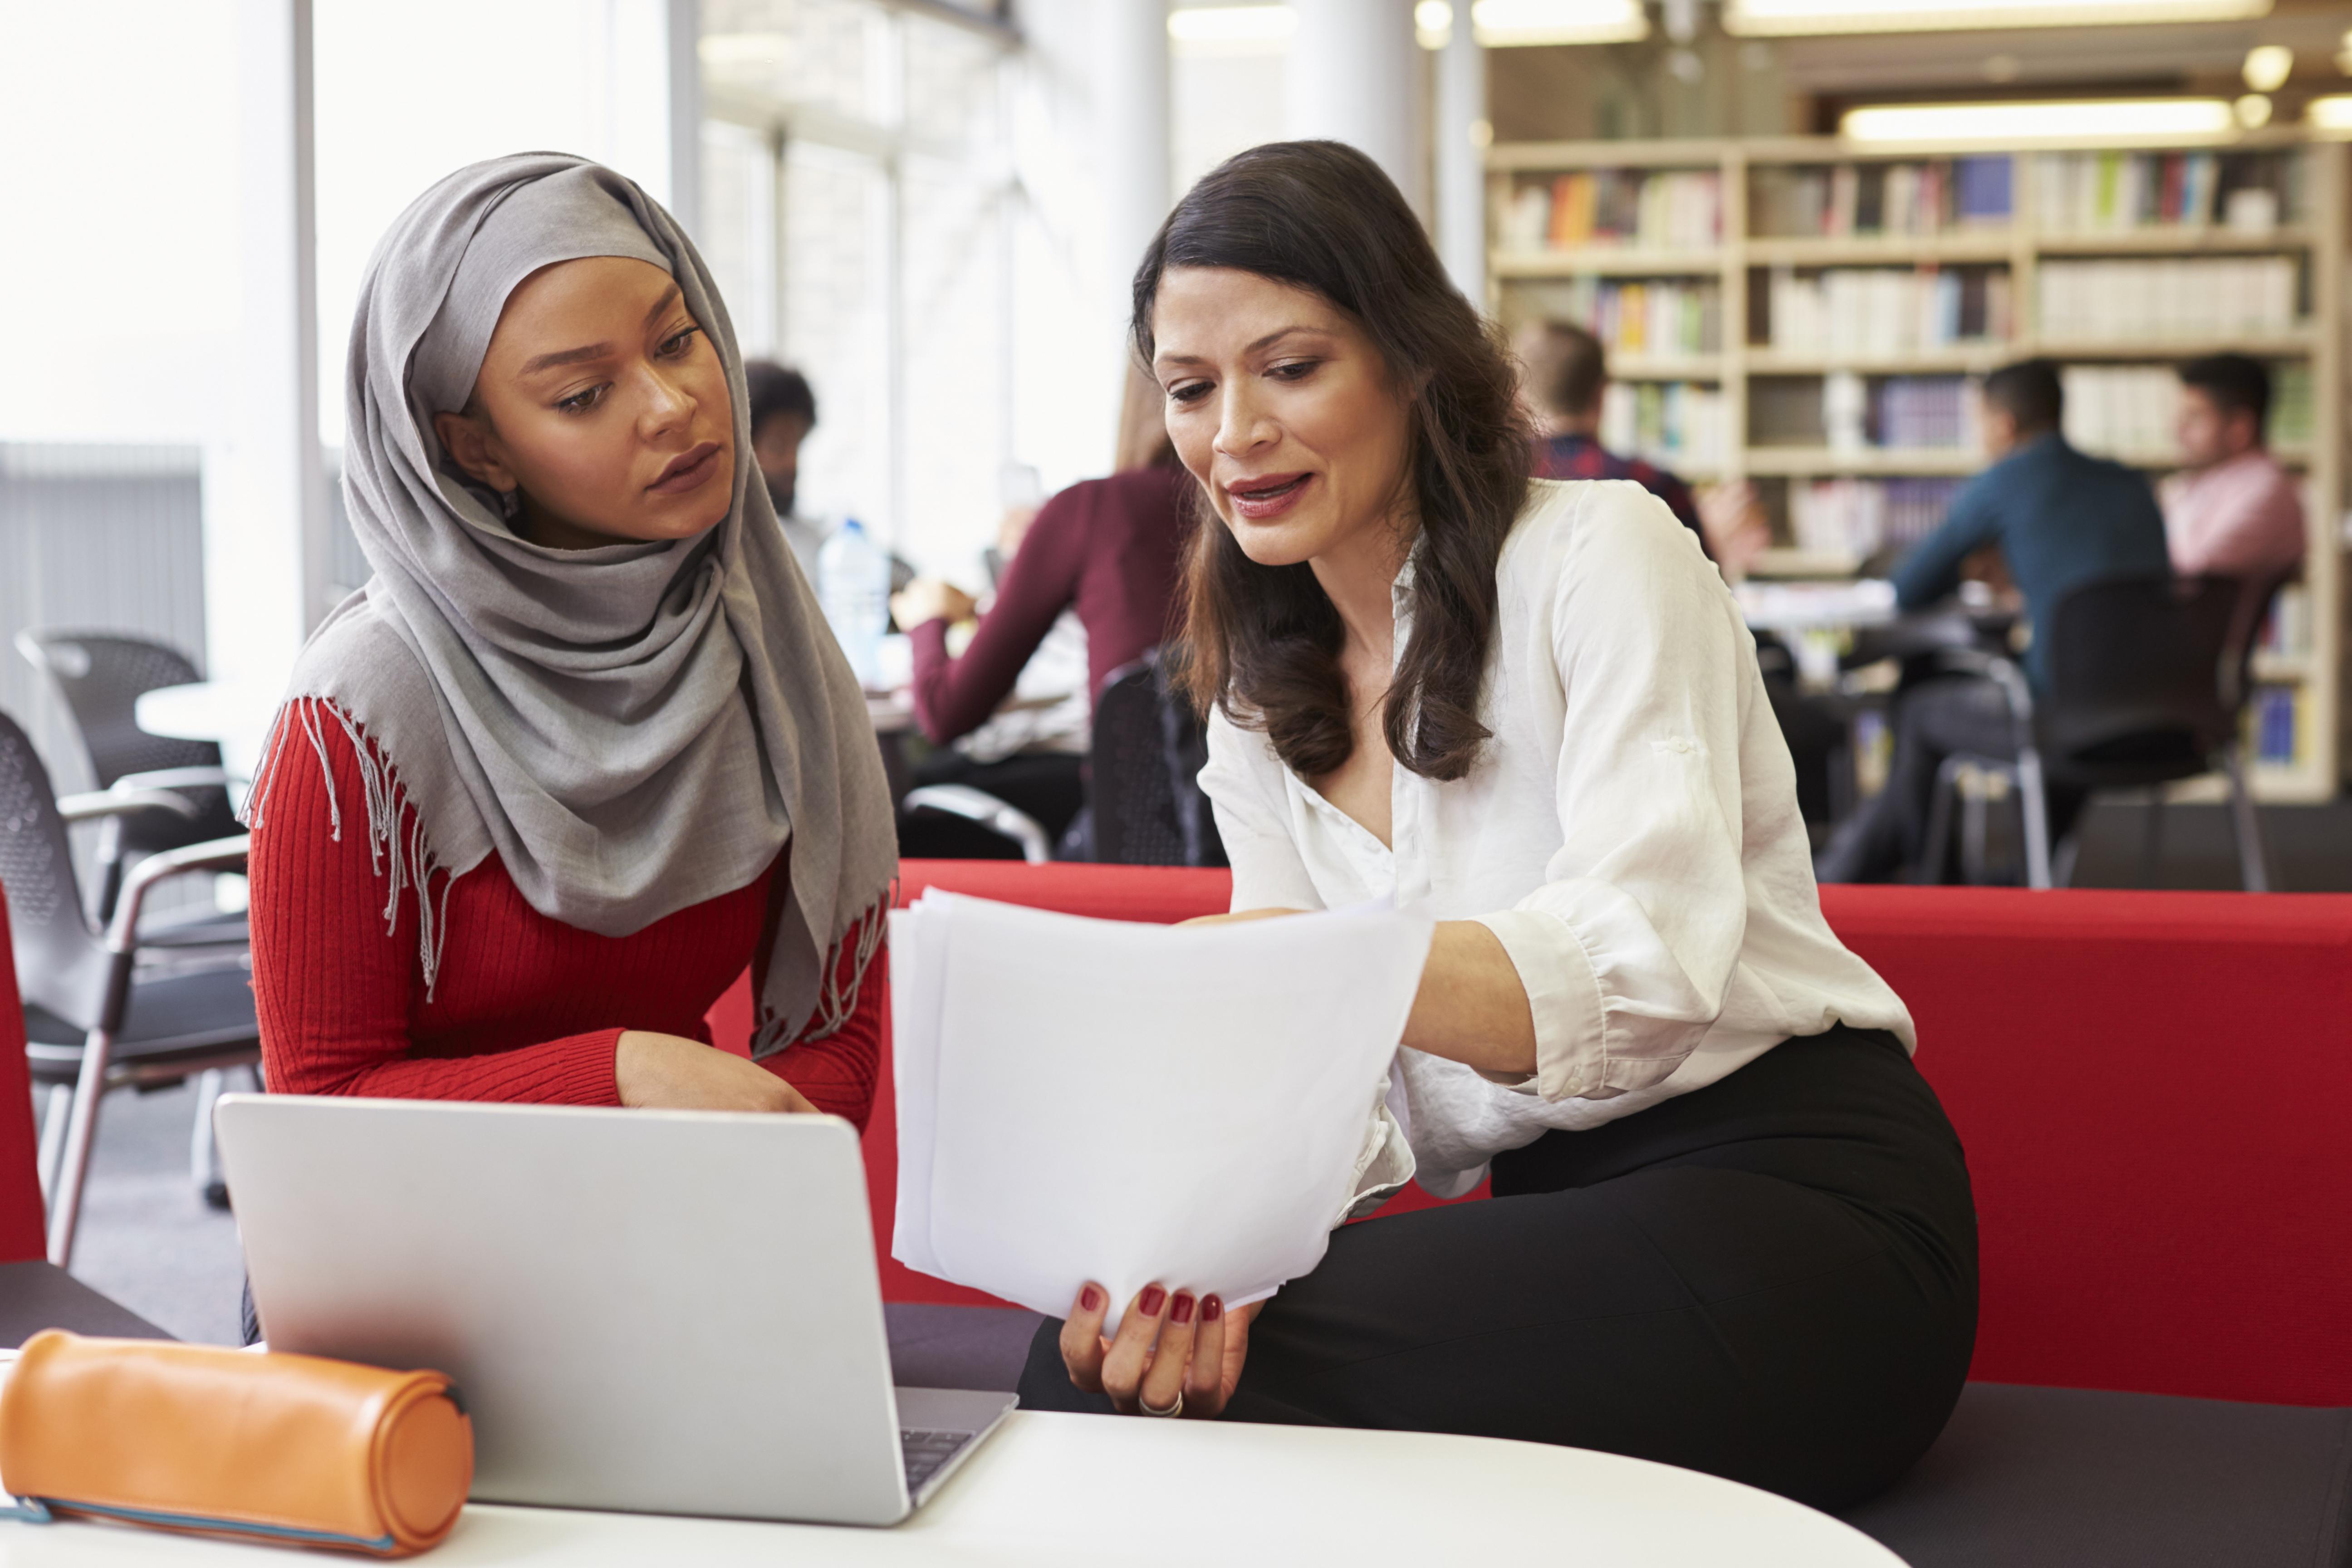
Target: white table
point(236, 714)
point(1076, 1490)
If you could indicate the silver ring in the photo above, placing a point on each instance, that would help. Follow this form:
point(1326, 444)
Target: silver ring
point(1145, 1406)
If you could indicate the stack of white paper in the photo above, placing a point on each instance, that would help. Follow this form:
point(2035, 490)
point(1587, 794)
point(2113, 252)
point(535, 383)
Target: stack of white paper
point(1098, 1100)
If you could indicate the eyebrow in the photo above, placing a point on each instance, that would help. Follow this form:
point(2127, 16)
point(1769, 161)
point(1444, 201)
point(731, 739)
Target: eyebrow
point(1272, 337)
point(538, 363)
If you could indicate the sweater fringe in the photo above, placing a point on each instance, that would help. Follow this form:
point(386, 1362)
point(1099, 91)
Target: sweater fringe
point(401, 849)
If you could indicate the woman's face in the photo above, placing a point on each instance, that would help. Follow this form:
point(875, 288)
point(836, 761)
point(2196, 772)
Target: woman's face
point(1281, 407)
point(603, 401)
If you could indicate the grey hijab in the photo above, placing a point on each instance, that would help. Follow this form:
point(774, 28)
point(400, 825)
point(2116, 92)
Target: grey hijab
point(634, 729)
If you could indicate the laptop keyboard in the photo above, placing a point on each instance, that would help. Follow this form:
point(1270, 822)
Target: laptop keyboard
point(925, 1452)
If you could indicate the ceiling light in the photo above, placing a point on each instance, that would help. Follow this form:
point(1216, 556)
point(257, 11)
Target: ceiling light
point(2253, 111)
point(2333, 112)
point(2038, 122)
point(1433, 23)
point(1231, 25)
point(1506, 24)
point(1789, 16)
point(2268, 66)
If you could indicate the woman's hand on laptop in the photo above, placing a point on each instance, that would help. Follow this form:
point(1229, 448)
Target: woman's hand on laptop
point(672, 1072)
point(1167, 1347)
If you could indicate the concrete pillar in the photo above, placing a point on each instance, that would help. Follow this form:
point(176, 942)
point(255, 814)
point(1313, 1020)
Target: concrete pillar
point(265, 488)
point(1354, 75)
point(1461, 136)
point(1133, 117)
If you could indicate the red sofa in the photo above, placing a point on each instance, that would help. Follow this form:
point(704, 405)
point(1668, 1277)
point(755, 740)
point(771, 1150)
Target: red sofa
point(2155, 1091)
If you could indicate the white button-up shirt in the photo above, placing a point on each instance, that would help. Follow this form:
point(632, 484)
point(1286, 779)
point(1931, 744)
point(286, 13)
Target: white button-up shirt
point(1629, 833)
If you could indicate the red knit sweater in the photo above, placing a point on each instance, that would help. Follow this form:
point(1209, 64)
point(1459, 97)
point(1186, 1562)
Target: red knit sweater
point(524, 1007)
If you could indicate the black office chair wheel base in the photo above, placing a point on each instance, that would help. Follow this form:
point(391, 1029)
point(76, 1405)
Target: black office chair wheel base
point(217, 1195)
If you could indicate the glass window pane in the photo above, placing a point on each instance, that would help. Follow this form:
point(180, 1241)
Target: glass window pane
point(737, 235)
point(823, 53)
point(955, 358)
point(836, 326)
point(952, 84)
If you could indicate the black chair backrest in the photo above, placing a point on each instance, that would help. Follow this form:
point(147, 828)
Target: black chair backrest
point(61, 965)
point(1143, 772)
point(101, 675)
point(2136, 671)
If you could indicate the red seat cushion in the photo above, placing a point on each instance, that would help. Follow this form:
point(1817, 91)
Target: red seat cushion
point(2153, 1090)
point(21, 1235)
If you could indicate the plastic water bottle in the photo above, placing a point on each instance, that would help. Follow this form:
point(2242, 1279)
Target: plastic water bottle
point(853, 573)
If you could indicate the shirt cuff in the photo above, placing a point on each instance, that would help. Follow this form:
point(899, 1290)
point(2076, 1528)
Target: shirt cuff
point(581, 1070)
point(1563, 998)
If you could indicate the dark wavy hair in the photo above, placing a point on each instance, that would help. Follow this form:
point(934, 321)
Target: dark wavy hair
point(1263, 642)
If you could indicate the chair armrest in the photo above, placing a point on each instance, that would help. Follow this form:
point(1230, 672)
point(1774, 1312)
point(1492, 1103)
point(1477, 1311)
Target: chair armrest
point(979, 806)
point(181, 778)
point(120, 802)
point(217, 855)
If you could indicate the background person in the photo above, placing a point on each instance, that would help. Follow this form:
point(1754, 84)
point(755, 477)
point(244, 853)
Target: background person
point(1736, 1232)
point(2231, 511)
point(2059, 519)
point(1564, 377)
point(783, 412)
point(584, 747)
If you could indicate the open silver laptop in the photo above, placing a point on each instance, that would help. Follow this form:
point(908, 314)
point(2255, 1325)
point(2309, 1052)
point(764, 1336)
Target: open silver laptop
point(660, 1312)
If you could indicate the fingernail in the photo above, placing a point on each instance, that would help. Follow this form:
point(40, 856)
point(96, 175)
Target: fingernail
point(1090, 1298)
point(1211, 1308)
point(1152, 1297)
point(1181, 1312)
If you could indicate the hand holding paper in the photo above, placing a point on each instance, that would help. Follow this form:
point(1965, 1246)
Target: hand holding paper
point(1097, 1099)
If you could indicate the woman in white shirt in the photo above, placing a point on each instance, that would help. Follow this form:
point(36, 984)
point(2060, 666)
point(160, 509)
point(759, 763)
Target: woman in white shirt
point(1731, 1226)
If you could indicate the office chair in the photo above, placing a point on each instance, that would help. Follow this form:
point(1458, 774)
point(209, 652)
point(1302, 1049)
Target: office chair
point(1143, 772)
point(95, 1016)
point(101, 676)
point(2147, 677)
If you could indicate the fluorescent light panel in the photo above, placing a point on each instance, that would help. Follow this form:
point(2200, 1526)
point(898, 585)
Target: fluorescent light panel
point(2038, 122)
point(1782, 18)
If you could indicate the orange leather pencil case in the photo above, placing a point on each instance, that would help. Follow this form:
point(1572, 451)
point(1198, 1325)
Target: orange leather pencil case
point(289, 1448)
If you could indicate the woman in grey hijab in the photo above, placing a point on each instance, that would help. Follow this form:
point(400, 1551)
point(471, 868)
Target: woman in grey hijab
point(582, 748)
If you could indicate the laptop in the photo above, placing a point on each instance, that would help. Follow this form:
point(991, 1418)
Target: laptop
point(660, 1312)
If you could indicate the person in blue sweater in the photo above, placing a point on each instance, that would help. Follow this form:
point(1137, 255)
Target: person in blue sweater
point(2060, 518)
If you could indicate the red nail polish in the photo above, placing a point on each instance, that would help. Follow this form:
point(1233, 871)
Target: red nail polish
point(1211, 1308)
point(1090, 1300)
point(1152, 1298)
point(1181, 1312)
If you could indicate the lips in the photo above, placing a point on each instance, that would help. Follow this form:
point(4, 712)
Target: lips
point(1266, 496)
point(688, 469)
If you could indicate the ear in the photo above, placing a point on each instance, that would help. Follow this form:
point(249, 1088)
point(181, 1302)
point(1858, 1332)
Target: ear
point(469, 441)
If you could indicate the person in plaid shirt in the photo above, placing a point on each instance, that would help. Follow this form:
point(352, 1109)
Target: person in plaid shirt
point(1564, 372)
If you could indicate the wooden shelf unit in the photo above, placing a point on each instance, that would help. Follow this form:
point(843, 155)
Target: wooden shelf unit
point(2316, 235)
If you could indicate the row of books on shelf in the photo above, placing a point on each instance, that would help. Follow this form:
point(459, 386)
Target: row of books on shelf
point(2286, 634)
point(2168, 298)
point(1650, 318)
point(1879, 312)
point(1679, 425)
point(2107, 192)
point(1840, 201)
point(1654, 209)
point(1860, 518)
point(2275, 722)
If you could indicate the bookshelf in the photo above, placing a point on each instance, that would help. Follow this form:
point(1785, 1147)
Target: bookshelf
point(1796, 311)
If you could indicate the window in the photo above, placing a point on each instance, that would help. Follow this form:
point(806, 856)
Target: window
point(855, 207)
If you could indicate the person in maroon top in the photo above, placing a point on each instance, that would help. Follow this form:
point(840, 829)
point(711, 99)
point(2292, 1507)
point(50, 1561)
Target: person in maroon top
point(582, 751)
point(1107, 548)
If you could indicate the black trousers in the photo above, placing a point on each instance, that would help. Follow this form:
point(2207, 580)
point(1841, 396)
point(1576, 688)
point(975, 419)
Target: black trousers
point(1772, 1279)
point(1932, 719)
